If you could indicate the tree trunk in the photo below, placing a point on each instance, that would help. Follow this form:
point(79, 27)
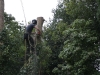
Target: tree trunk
point(40, 21)
point(1, 15)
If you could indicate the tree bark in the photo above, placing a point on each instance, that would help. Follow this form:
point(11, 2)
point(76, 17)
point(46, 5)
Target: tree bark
point(1, 15)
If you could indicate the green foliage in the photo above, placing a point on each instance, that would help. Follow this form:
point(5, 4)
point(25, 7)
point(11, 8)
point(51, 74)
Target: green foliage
point(12, 48)
point(54, 38)
point(70, 44)
point(60, 14)
point(82, 9)
point(80, 50)
point(44, 54)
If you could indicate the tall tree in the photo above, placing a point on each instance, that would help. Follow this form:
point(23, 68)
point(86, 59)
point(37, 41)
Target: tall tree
point(1, 14)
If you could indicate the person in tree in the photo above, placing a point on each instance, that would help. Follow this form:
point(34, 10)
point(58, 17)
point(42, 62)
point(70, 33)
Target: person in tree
point(29, 29)
point(27, 36)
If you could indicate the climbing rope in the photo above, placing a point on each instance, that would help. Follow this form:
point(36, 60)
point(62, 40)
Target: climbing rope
point(23, 11)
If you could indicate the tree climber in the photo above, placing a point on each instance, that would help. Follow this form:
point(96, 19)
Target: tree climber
point(28, 38)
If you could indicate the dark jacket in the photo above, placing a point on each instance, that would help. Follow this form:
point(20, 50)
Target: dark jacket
point(29, 28)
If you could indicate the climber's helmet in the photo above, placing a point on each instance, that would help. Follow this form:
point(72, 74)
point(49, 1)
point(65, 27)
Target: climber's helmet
point(34, 21)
